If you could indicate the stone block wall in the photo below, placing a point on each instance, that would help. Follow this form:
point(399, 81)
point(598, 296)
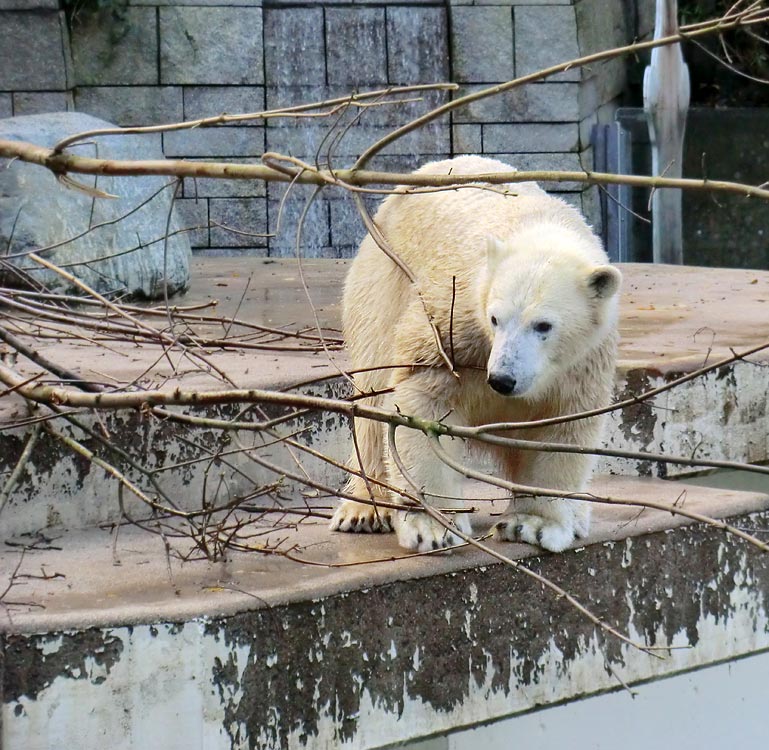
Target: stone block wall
point(162, 61)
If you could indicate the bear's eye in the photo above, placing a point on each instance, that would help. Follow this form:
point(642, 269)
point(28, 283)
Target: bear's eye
point(493, 320)
point(543, 326)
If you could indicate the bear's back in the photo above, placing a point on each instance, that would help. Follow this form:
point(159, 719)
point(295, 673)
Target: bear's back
point(444, 231)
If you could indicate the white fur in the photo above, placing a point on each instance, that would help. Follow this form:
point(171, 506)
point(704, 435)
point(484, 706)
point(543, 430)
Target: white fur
point(529, 261)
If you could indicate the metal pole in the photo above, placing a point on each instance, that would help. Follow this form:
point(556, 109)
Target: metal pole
point(666, 101)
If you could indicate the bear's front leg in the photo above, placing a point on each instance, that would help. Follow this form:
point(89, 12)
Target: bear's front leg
point(420, 396)
point(549, 522)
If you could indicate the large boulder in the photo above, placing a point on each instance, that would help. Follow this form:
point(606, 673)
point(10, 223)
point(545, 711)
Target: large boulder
point(128, 256)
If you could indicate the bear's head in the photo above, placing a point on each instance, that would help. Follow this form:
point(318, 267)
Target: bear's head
point(545, 307)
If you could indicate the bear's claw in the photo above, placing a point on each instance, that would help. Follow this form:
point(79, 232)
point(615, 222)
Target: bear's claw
point(361, 518)
point(543, 532)
point(419, 532)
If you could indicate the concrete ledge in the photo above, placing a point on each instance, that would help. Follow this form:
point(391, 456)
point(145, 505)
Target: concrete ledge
point(262, 651)
point(122, 576)
point(366, 656)
point(673, 321)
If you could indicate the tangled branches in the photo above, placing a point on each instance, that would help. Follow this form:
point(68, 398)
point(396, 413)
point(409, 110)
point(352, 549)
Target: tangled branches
point(219, 429)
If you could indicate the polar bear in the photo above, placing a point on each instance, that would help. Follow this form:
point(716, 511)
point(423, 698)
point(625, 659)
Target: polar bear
point(521, 293)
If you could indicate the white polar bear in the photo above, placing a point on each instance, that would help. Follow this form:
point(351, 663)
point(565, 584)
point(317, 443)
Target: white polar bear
point(533, 334)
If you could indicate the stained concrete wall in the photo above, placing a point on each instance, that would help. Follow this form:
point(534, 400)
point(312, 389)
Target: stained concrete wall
point(158, 61)
point(390, 663)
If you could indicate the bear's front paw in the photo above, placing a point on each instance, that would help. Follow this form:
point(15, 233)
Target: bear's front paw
point(419, 532)
point(543, 532)
point(362, 518)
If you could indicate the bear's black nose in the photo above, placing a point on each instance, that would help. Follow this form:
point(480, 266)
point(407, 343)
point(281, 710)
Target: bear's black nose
point(503, 384)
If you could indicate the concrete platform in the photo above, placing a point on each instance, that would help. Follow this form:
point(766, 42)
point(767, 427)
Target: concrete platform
point(102, 629)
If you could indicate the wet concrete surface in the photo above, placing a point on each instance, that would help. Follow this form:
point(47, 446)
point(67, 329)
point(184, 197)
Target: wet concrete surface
point(673, 319)
point(123, 575)
point(347, 639)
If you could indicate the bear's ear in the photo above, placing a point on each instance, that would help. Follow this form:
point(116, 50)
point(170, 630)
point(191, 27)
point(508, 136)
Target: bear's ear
point(495, 251)
point(603, 281)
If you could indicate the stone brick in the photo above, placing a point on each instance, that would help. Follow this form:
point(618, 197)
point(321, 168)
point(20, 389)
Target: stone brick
point(524, 2)
point(211, 45)
point(591, 207)
point(482, 40)
point(645, 11)
point(107, 49)
point(289, 96)
point(528, 137)
point(347, 228)
point(34, 51)
point(38, 102)
point(6, 106)
point(601, 27)
point(403, 162)
point(417, 45)
point(391, 114)
point(29, 4)
point(209, 101)
point(356, 48)
point(131, 105)
point(570, 162)
point(545, 36)
point(231, 252)
point(294, 46)
point(467, 139)
point(214, 142)
point(606, 81)
point(248, 216)
point(193, 213)
point(315, 240)
point(215, 188)
point(303, 142)
point(573, 199)
point(537, 102)
point(217, 3)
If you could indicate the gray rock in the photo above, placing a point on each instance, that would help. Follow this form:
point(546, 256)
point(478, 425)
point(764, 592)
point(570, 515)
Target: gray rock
point(35, 211)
